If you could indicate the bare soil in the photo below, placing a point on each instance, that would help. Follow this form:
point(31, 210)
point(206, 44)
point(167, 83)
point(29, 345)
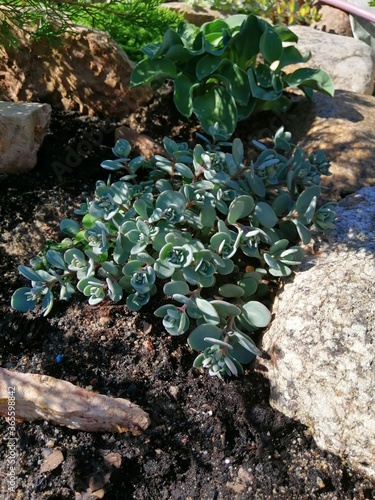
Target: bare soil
point(208, 439)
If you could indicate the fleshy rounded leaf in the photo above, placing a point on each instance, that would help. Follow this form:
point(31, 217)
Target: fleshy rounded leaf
point(196, 338)
point(256, 314)
point(21, 301)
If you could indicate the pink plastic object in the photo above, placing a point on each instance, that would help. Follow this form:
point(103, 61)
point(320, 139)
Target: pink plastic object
point(352, 9)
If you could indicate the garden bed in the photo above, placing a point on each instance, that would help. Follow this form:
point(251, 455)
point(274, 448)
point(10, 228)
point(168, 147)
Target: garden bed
point(208, 439)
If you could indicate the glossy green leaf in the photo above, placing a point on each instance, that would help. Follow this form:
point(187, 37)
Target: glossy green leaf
point(207, 65)
point(148, 70)
point(182, 95)
point(270, 45)
point(216, 105)
point(316, 79)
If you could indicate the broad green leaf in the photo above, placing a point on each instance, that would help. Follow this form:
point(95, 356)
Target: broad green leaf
point(216, 106)
point(235, 80)
point(291, 55)
point(182, 95)
point(270, 45)
point(264, 84)
point(207, 65)
point(316, 79)
point(170, 40)
point(244, 111)
point(285, 33)
point(148, 70)
point(247, 42)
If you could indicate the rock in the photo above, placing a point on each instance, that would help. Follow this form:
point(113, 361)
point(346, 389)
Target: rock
point(334, 21)
point(321, 342)
point(88, 72)
point(194, 14)
point(40, 397)
point(22, 130)
point(141, 144)
point(344, 127)
point(349, 62)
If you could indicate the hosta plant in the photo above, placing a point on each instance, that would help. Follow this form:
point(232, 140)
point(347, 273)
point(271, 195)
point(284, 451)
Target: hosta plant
point(203, 227)
point(227, 69)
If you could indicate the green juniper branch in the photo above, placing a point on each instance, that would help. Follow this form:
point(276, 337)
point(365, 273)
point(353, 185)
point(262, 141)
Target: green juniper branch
point(132, 23)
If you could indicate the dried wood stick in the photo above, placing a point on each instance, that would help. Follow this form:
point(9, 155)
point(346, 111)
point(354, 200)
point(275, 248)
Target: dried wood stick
point(62, 403)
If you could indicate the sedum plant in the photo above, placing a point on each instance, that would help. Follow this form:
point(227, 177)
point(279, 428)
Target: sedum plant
point(227, 69)
point(206, 227)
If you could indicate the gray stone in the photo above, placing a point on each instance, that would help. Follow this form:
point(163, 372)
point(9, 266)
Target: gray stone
point(344, 127)
point(321, 341)
point(349, 62)
point(22, 130)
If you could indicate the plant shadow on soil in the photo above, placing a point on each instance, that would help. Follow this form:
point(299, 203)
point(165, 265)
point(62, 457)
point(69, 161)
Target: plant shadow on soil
point(208, 439)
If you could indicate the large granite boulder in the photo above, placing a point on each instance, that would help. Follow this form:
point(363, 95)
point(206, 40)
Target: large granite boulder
point(88, 72)
point(22, 130)
point(349, 62)
point(344, 127)
point(321, 341)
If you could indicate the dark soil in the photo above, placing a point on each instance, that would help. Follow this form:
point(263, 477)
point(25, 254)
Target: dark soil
point(208, 439)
